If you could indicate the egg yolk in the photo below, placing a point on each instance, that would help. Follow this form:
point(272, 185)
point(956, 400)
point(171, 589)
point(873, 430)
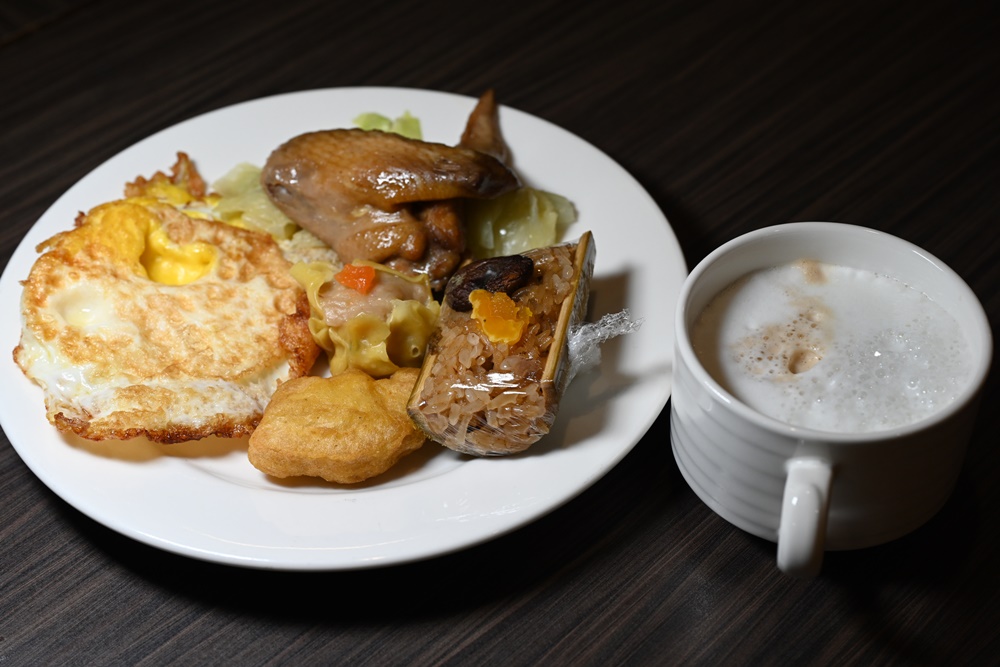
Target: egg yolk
point(134, 233)
point(172, 264)
point(503, 321)
point(165, 190)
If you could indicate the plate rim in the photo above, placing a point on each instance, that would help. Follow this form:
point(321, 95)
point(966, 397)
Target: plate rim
point(530, 514)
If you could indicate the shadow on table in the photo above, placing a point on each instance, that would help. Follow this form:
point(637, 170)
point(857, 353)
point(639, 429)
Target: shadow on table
point(892, 596)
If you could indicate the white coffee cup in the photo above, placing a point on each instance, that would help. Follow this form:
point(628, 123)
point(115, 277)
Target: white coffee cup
point(810, 490)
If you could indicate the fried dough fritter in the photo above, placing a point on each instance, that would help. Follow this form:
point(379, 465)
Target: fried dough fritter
point(346, 428)
point(145, 321)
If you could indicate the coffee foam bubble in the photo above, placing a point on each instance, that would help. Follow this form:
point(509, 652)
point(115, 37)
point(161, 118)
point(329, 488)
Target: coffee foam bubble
point(832, 348)
point(785, 349)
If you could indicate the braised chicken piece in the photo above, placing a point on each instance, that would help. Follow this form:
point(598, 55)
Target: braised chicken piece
point(387, 198)
point(482, 131)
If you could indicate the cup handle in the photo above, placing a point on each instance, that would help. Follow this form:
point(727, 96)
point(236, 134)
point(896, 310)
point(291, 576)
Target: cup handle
point(802, 527)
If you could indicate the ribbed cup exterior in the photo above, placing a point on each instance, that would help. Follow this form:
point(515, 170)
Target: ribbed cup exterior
point(881, 490)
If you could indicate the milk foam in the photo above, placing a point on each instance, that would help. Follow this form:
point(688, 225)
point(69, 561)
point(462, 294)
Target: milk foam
point(832, 348)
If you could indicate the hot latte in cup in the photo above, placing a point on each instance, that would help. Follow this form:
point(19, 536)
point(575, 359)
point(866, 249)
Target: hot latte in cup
point(832, 348)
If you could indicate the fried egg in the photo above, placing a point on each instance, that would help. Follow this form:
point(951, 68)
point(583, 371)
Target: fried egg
point(148, 319)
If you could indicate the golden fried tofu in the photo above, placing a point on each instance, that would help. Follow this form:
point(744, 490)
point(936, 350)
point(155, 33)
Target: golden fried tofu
point(346, 428)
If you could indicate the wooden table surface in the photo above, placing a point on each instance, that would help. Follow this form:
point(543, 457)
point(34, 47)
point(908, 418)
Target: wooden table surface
point(733, 115)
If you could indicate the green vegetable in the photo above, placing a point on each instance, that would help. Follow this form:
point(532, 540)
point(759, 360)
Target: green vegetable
point(406, 125)
point(517, 221)
point(244, 203)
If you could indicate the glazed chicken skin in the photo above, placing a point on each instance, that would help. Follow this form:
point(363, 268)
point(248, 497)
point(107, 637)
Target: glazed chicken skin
point(386, 198)
point(482, 130)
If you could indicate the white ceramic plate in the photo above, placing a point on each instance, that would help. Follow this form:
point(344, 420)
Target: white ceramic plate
point(206, 501)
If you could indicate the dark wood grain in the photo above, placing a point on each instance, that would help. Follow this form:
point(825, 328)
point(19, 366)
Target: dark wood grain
point(734, 115)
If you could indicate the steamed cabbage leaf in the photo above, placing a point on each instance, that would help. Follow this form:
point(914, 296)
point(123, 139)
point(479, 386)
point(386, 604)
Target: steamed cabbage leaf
point(520, 220)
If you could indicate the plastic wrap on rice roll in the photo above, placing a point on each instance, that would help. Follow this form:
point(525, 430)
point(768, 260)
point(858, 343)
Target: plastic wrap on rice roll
point(498, 363)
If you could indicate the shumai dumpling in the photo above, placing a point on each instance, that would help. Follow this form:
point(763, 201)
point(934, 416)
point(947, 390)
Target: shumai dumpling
point(378, 324)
